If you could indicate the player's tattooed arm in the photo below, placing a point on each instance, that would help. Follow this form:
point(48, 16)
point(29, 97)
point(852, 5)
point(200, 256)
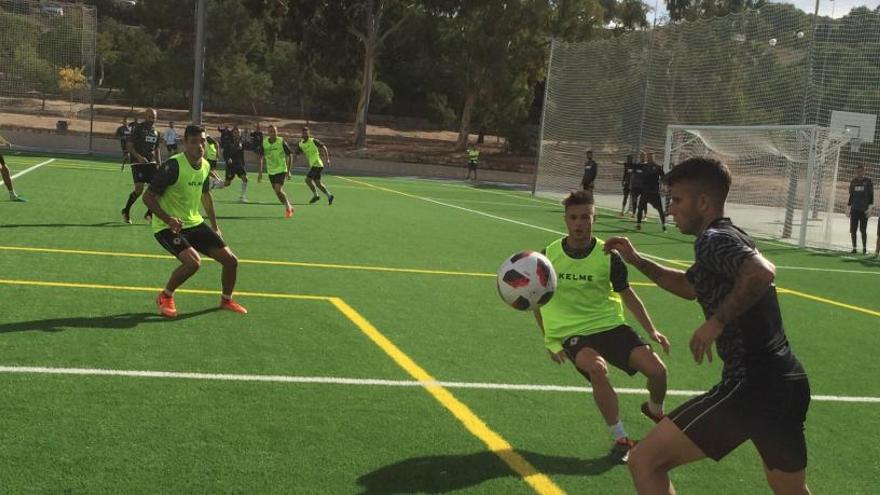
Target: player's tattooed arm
point(752, 281)
point(669, 279)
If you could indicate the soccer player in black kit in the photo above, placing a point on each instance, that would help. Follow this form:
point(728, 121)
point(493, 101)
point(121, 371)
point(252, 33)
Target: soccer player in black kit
point(591, 169)
point(651, 173)
point(861, 197)
point(764, 393)
point(628, 167)
point(143, 147)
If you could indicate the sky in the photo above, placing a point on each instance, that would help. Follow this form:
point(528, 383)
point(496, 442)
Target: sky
point(838, 8)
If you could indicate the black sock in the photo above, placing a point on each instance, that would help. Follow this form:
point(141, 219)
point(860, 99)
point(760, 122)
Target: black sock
point(131, 199)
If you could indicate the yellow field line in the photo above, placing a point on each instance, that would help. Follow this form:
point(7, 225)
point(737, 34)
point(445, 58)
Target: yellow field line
point(540, 482)
point(77, 285)
point(781, 290)
point(832, 302)
point(254, 262)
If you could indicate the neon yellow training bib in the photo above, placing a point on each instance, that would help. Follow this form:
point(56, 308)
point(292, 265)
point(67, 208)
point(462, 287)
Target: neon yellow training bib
point(584, 302)
point(184, 198)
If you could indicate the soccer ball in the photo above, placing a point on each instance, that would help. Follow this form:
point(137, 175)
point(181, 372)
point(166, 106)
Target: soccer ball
point(772, 41)
point(526, 280)
point(800, 34)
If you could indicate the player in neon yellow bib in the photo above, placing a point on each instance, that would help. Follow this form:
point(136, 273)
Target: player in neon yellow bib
point(584, 321)
point(174, 196)
point(275, 155)
point(311, 149)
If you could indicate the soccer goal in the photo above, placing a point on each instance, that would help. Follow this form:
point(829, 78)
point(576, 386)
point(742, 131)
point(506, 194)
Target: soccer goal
point(785, 177)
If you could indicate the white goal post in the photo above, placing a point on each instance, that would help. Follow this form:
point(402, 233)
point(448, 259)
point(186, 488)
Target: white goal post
point(785, 177)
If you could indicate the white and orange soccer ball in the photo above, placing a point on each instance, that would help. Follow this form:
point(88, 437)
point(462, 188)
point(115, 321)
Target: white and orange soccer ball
point(526, 280)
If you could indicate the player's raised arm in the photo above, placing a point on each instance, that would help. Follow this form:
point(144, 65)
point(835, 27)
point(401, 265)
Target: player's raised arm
point(670, 279)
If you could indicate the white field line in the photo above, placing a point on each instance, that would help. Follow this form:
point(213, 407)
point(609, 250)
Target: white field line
point(524, 224)
point(370, 382)
point(31, 169)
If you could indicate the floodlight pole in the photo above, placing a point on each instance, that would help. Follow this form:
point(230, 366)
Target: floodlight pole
point(199, 75)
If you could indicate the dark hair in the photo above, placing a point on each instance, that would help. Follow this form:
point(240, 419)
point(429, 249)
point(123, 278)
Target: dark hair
point(707, 172)
point(306, 128)
point(578, 198)
point(193, 130)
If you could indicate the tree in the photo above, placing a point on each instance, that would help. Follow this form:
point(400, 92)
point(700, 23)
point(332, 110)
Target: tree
point(692, 10)
point(367, 27)
point(71, 80)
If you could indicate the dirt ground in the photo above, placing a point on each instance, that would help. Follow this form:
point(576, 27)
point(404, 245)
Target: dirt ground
point(383, 142)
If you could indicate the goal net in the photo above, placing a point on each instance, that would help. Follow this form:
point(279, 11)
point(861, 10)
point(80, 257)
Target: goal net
point(47, 66)
point(763, 71)
point(784, 177)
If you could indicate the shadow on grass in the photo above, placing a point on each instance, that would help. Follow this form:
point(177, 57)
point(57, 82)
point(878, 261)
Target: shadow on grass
point(446, 473)
point(124, 321)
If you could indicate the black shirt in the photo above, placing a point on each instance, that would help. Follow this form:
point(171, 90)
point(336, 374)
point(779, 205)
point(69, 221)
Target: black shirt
point(619, 273)
point(123, 132)
point(235, 152)
point(225, 139)
point(861, 194)
point(257, 141)
point(753, 345)
point(167, 175)
point(627, 173)
point(638, 173)
point(590, 171)
point(651, 175)
point(145, 139)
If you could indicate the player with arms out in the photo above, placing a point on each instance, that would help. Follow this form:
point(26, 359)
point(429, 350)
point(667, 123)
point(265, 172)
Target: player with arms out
point(178, 188)
point(764, 393)
point(584, 321)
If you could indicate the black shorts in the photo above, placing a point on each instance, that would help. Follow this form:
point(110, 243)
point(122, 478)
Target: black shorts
point(651, 198)
point(201, 237)
point(472, 165)
point(212, 164)
point(172, 148)
point(234, 169)
point(315, 173)
point(615, 346)
point(143, 172)
point(124, 146)
point(771, 414)
point(278, 178)
point(858, 221)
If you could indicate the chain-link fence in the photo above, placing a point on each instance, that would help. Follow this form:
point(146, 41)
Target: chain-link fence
point(773, 67)
point(47, 67)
